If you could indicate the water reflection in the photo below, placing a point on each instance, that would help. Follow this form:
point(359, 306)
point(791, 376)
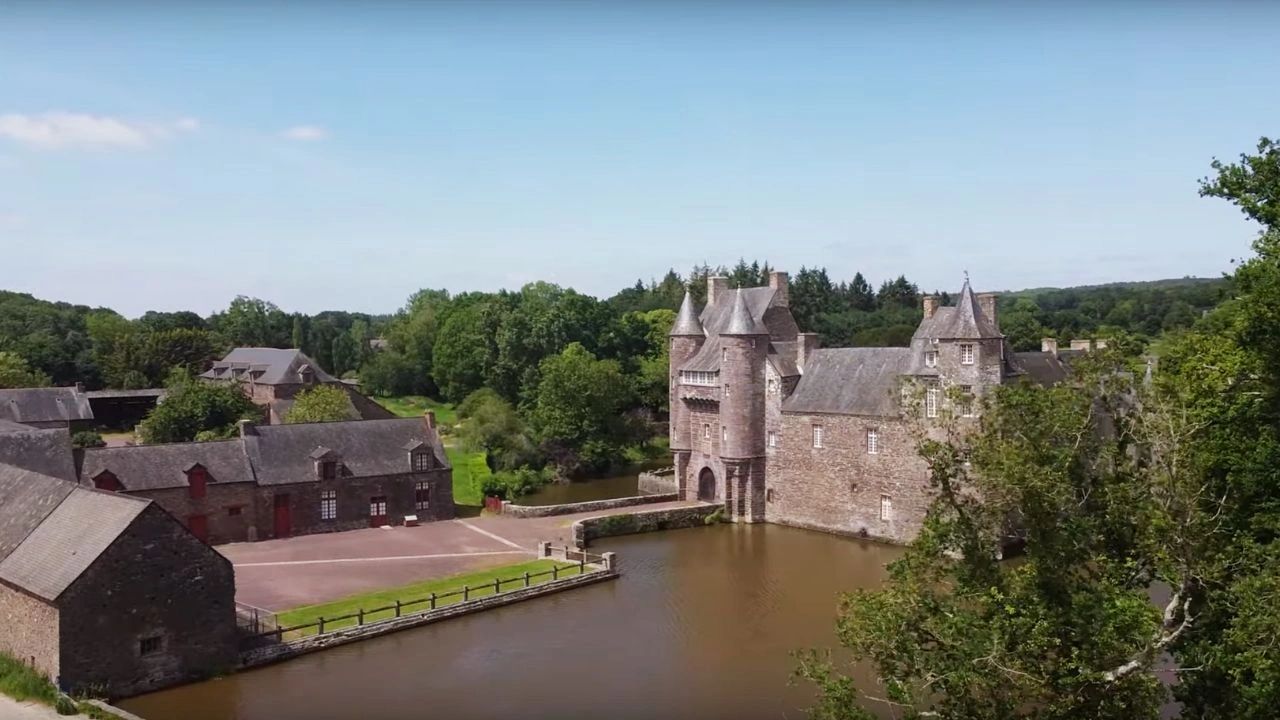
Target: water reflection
point(624, 484)
point(701, 624)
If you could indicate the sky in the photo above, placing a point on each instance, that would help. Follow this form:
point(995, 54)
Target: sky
point(343, 155)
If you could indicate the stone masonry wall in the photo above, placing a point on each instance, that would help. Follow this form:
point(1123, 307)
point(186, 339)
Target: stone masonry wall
point(588, 529)
point(536, 511)
point(30, 630)
point(353, 495)
point(155, 581)
point(228, 508)
point(839, 487)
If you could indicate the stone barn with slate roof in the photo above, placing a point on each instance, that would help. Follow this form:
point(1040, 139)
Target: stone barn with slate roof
point(282, 480)
point(106, 592)
point(779, 430)
point(273, 377)
point(54, 407)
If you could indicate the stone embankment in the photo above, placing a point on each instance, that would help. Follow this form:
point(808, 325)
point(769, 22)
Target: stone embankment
point(588, 529)
point(537, 511)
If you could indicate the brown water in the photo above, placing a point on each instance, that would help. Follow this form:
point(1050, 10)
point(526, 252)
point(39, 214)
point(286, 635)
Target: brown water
point(701, 625)
point(624, 484)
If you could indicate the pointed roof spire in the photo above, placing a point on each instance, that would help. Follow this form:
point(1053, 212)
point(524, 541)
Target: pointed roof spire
point(969, 320)
point(687, 322)
point(741, 321)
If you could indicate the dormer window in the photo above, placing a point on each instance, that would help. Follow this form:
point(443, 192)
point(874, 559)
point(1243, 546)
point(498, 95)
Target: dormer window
point(422, 461)
point(966, 353)
point(197, 481)
point(931, 358)
point(105, 480)
point(327, 462)
point(306, 374)
point(328, 470)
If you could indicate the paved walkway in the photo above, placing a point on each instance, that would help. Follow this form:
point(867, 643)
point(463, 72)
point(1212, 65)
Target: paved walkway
point(11, 709)
point(282, 574)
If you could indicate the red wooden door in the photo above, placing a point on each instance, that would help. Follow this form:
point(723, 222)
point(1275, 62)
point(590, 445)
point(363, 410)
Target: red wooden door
point(284, 522)
point(378, 511)
point(199, 526)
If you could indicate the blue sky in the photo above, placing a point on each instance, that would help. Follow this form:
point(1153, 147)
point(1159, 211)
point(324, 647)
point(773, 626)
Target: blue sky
point(341, 156)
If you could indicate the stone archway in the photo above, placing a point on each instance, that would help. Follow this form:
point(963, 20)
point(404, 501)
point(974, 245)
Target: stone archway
point(707, 485)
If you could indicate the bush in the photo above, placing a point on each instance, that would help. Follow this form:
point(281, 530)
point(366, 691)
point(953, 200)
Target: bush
point(64, 705)
point(87, 439)
point(22, 682)
point(192, 407)
point(512, 484)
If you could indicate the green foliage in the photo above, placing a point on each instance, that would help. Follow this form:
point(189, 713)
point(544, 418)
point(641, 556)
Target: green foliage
point(469, 473)
point(1253, 184)
point(577, 411)
point(322, 403)
point(21, 682)
point(493, 427)
point(192, 407)
point(87, 439)
point(15, 373)
point(512, 484)
point(64, 705)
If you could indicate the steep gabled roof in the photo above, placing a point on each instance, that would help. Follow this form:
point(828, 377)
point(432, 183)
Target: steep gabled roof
point(155, 467)
point(45, 451)
point(58, 404)
point(850, 381)
point(69, 540)
point(687, 323)
point(267, 366)
point(964, 321)
point(28, 498)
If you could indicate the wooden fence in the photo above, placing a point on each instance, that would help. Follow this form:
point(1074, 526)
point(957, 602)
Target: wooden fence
point(586, 564)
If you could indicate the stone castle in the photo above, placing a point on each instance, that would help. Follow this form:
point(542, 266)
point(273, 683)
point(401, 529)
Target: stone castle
point(780, 430)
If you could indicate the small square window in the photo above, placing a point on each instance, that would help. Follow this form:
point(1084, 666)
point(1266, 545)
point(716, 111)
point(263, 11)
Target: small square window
point(966, 353)
point(150, 645)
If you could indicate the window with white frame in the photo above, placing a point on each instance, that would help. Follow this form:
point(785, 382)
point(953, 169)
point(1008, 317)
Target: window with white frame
point(886, 507)
point(931, 402)
point(966, 353)
point(817, 436)
point(706, 431)
point(873, 441)
point(421, 495)
point(698, 377)
point(724, 433)
point(773, 438)
point(724, 355)
point(726, 389)
point(966, 401)
point(422, 461)
point(931, 358)
point(773, 385)
point(328, 504)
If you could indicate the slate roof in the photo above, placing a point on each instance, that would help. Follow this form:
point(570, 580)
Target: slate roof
point(715, 318)
point(268, 366)
point(156, 467)
point(281, 454)
point(45, 451)
point(28, 498)
point(783, 357)
point(28, 405)
point(69, 539)
point(965, 320)
point(687, 322)
point(850, 381)
point(1042, 368)
point(741, 320)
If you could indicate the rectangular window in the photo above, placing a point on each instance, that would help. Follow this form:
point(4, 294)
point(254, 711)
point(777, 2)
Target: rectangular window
point(706, 431)
point(886, 507)
point(724, 433)
point(234, 511)
point(931, 358)
point(150, 645)
point(873, 441)
point(966, 353)
point(724, 355)
point(421, 495)
point(422, 461)
point(329, 505)
point(726, 389)
point(196, 480)
point(378, 506)
point(817, 436)
point(773, 438)
point(773, 385)
point(966, 401)
point(931, 402)
point(328, 470)
point(768, 495)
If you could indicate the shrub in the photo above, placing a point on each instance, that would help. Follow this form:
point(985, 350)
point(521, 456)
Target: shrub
point(512, 484)
point(87, 439)
point(64, 705)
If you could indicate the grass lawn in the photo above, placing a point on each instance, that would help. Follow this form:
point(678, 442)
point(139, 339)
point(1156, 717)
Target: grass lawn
point(22, 683)
point(469, 470)
point(416, 405)
point(481, 584)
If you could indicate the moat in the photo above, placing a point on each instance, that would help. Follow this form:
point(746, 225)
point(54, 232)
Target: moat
point(702, 624)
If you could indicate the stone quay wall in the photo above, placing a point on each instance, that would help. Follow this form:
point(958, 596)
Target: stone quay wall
point(537, 511)
point(588, 529)
point(659, 482)
point(284, 651)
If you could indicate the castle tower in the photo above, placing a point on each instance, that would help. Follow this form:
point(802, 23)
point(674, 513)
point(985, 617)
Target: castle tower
point(744, 345)
point(958, 352)
point(687, 337)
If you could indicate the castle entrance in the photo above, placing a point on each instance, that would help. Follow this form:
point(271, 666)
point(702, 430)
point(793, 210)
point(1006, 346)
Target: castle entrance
point(707, 485)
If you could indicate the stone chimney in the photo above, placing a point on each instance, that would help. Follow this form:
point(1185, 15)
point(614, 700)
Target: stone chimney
point(717, 287)
point(1049, 345)
point(429, 420)
point(1085, 345)
point(806, 343)
point(246, 428)
point(778, 281)
point(987, 301)
point(930, 306)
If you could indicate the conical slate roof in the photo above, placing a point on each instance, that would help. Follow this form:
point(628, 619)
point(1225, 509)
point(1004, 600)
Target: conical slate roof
point(965, 321)
point(741, 322)
point(687, 322)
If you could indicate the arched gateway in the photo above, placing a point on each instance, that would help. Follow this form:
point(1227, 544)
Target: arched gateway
point(707, 485)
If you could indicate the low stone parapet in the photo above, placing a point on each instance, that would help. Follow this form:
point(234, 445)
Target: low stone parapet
point(643, 521)
point(537, 511)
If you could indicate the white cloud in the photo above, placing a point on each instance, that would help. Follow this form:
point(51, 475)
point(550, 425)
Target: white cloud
point(305, 133)
point(56, 130)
